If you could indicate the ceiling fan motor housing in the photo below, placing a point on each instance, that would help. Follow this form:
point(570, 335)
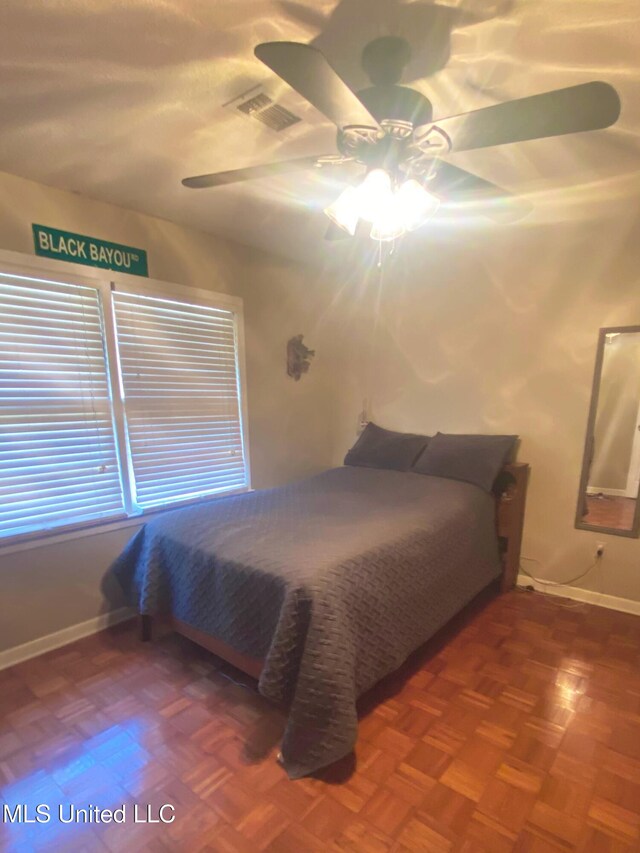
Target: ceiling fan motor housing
point(397, 103)
point(398, 110)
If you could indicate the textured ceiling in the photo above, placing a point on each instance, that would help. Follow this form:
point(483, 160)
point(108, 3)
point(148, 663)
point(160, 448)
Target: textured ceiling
point(120, 99)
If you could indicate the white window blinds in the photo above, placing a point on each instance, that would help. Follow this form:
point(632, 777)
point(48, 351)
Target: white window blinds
point(179, 372)
point(58, 461)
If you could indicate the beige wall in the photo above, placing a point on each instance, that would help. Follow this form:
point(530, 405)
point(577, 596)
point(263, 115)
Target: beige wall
point(474, 328)
point(617, 414)
point(48, 588)
point(494, 329)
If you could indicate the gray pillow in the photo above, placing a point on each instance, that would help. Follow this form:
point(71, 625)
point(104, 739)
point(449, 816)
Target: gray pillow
point(382, 448)
point(475, 459)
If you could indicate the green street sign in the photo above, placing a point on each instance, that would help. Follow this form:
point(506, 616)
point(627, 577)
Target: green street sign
point(80, 249)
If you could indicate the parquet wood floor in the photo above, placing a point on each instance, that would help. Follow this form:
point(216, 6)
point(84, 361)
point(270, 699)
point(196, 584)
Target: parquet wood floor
point(518, 729)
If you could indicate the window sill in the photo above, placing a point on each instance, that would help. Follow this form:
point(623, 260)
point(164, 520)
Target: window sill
point(41, 539)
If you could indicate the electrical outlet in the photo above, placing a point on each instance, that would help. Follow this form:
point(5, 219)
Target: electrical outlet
point(599, 549)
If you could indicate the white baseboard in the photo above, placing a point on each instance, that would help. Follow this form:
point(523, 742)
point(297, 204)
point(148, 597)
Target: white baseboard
point(614, 493)
point(588, 596)
point(33, 648)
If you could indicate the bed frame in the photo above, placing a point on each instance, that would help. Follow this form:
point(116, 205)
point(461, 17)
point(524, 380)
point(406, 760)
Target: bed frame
point(510, 493)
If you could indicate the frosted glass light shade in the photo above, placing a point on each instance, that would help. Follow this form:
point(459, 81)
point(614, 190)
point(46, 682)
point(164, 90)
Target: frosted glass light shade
point(345, 211)
point(415, 204)
point(375, 195)
point(391, 213)
point(389, 224)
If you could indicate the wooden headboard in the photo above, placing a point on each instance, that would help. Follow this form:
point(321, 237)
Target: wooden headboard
point(511, 496)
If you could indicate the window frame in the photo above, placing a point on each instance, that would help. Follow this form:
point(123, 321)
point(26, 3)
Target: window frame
point(105, 283)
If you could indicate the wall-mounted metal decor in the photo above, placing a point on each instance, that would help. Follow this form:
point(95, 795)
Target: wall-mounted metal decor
point(298, 357)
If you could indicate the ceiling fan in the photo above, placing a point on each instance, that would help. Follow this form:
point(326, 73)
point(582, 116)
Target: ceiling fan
point(388, 129)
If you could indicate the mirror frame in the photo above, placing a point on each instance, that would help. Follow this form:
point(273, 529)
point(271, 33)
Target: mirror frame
point(580, 524)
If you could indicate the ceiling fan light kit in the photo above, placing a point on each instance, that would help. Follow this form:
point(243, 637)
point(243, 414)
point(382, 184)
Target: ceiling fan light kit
point(388, 130)
point(417, 204)
point(391, 212)
point(345, 211)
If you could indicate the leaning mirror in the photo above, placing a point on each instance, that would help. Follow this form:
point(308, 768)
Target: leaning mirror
point(608, 498)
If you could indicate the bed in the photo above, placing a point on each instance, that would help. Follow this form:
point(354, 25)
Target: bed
point(321, 588)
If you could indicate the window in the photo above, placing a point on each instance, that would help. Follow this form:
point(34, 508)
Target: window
point(57, 449)
point(114, 400)
point(179, 372)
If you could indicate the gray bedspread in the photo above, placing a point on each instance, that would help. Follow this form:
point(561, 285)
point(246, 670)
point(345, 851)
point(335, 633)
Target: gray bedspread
point(333, 581)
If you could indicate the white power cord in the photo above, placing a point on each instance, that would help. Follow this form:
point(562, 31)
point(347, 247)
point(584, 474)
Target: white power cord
point(577, 605)
point(557, 583)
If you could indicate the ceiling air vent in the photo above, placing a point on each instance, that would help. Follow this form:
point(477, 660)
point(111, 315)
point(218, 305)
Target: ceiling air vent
point(255, 103)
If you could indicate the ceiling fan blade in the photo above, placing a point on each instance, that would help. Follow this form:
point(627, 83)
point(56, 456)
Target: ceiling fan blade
point(449, 179)
point(334, 233)
point(307, 71)
point(457, 185)
point(218, 179)
point(589, 106)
